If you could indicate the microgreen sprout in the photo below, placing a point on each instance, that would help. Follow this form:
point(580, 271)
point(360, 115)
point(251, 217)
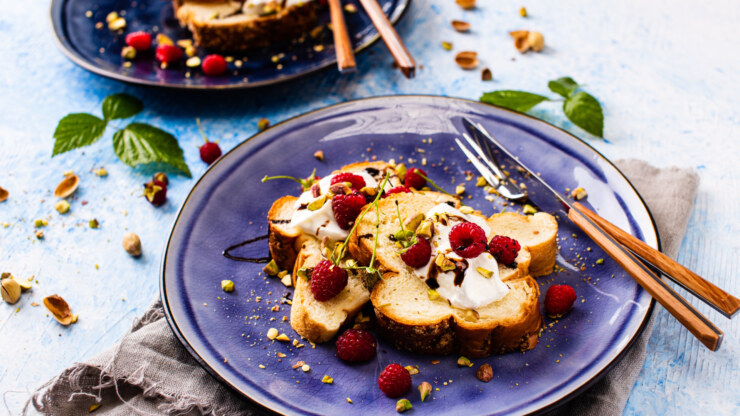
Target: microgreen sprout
point(431, 182)
point(306, 183)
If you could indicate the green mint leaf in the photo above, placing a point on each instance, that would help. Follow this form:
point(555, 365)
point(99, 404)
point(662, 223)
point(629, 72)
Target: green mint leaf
point(139, 143)
point(121, 106)
point(563, 86)
point(585, 112)
point(77, 130)
point(514, 100)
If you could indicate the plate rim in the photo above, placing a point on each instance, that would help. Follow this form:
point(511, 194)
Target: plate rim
point(277, 407)
point(71, 53)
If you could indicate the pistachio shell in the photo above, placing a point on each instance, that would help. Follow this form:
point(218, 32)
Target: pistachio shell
point(466, 4)
point(3, 194)
point(67, 186)
point(59, 309)
point(461, 26)
point(467, 59)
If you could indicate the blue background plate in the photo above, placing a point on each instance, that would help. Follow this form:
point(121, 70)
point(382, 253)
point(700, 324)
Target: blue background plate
point(99, 50)
point(226, 332)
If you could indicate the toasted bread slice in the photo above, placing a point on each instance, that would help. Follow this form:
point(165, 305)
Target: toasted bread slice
point(412, 320)
point(537, 232)
point(227, 25)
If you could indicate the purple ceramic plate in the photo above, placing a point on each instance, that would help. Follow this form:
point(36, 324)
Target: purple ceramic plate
point(225, 332)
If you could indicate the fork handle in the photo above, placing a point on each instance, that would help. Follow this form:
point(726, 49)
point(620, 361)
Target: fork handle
point(724, 302)
point(693, 320)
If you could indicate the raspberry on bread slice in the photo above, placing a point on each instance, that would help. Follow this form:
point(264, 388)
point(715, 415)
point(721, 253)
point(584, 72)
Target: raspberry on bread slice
point(538, 233)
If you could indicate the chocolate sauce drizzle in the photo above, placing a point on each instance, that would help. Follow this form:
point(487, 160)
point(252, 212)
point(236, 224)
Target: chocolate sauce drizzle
point(247, 259)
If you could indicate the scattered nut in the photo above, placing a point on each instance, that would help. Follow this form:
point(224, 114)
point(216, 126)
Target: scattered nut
point(272, 333)
point(523, 12)
point(529, 209)
point(94, 223)
point(60, 310)
point(461, 26)
point(306, 368)
point(111, 17)
point(40, 223)
point(464, 362)
point(132, 244)
point(425, 389)
point(11, 290)
point(287, 280)
point(282, 337)
point(117, 24)
point(128, 52)
point(486, 75)
point(484, 373)
point(3, 194)
point(433, 294)
point(536, 41)
point(525, 40)
point(67, 186)
point(460, 189)
point(447, 46)
point(319, 155)
point(599, 261)
point(412, 369)
point(298, 364)
point(350, 8)
point(93, 407)
point(25, 284)
point(403, 404)
point(263, 124)
point(327, 380)
point(467, 59)
point(466, 4)
point(578, 193)
point(466, 209)
point(39, 234)
point(193, 62)
point(227, 285)
point(163, 39)
point(62, 206)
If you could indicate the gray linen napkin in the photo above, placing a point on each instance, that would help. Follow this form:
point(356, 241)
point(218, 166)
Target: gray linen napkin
point(149, 372)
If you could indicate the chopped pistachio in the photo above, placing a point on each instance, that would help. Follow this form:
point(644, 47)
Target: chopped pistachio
point(529, 209)
point(317, 203)
point(306, 368)
point(102, 172)
point(283, 337)
point(227, 285)
point(190, 50)
point(447, 46)
point(302, 272)
point(401, 170)
point(350, 8)
point(403, 405)
point(433, 294)
point(128, 52)
point(319, 155)
point(414, 222)
point(25, 284)
point(271, 269)
point(39, 223)
point(62, 206)
point(287, 280)
point(327, 380)
point(424, 230)
point(523, 12)
point(460, 189)
point(272, 333)
point(425, 389)
point(193, 62)
point(444, 263)
point(163, 39)
point(111, 17)
point(39, 234)
point(600, 261)
point(94, 223)
point(464, 362)
point(412, 369)
point(117, 24)
point(263, 123)
point(481, 181)
point(484, 272)
point(579, 193)
point(466, 209)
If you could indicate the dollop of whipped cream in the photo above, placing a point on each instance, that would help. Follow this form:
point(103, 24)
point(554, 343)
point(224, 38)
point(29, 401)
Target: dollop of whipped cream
point(471, 289)
point(321, 222)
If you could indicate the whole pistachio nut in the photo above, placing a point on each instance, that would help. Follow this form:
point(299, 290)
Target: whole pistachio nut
point(11, 290)
point(132, 244)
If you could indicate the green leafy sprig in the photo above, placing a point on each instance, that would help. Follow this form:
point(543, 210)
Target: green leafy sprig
point(135, 144)
point(305, 183)
point(406, 238)
point(431, 182)
point(579, 106)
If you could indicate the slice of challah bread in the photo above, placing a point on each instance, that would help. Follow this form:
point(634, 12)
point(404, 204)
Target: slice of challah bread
point(537, 232)
point(227, 25)
point(293, 250)
point(411, 319)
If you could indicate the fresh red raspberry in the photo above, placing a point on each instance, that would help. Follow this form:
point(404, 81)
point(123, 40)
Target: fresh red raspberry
point(414, 180)
point(397, 190)
point(558, 300)
point(155, 192)
point(141, 41)
point(168, 54)
point(467, 239)
point(214, 65)
point(356, 180)
point(209, 152)
point(346, 208)
point(418, 254)
point(504, 249)
point(356, 345)
point(327, 280)
point(394, 380)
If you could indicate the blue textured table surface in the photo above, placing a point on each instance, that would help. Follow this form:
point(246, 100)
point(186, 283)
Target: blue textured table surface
point(665, 72)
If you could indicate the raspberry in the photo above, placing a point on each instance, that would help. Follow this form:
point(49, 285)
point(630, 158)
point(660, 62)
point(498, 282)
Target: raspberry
point(209, 152)
point(504, 249)
point(356, 345)
point(327, 280)
point(418, 254)
point(155, 192)
point(394, 380)
point(214, 65)
point(397, 190)
point(414, 180)
point(141, 41)
point(558, 300)
point(168, 54)
point(356, 180)
point(346, 208)
point(467, 239)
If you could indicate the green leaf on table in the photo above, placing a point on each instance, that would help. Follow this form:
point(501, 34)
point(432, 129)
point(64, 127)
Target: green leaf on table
point(515, 100)
point(77, 130)
point(585, 112)
point(139, 143)
point(563, 86)
point(121, 106)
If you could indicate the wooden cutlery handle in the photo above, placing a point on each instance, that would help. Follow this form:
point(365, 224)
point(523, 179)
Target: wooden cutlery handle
point(342, 43)
point(723, 301)
point(395, 45)
point(695, 322)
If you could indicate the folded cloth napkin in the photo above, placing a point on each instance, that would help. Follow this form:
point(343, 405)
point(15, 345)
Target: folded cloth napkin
point(149, 372)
